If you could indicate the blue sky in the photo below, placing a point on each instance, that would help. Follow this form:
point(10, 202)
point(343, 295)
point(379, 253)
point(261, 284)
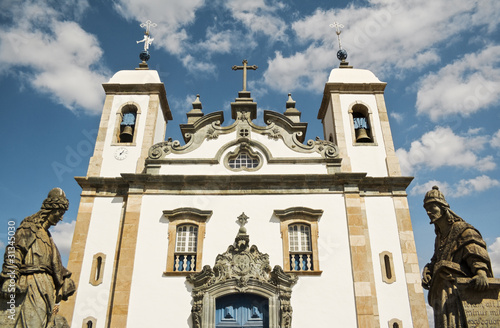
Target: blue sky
point(441, 60)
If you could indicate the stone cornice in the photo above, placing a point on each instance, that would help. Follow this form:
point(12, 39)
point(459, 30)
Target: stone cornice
point(348, 88)
point(243, 184)
point(141, 88)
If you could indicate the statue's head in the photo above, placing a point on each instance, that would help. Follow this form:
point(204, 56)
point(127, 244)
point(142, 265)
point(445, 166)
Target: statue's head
point(435, 204)
point(55, 205)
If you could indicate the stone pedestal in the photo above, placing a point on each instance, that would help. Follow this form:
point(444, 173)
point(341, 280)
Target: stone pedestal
point(482, 309)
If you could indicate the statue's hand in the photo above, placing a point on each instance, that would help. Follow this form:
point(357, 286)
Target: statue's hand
point(480, 280)
point(426, 278)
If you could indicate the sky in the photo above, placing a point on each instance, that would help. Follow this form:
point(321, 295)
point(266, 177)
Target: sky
point(440, 59)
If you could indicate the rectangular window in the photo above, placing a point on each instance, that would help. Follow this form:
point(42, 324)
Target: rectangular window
point(186, 231)
point(299, 231)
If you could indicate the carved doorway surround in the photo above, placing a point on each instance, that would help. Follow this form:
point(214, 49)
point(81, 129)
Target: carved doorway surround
point(242, 269)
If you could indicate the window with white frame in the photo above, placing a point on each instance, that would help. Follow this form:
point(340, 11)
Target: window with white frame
point(186, 248)
point(301, 257)
point(299, 232)
point(242, 160)
point(186, 230)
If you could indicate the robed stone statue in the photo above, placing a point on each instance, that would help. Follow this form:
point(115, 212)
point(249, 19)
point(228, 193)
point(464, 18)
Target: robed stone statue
point(33, 280)
point(459, 252)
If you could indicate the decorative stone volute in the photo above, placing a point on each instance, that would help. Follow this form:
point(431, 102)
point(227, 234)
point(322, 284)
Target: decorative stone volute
point(242, 269)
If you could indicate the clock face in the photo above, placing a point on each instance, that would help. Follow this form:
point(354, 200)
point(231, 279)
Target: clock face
point(121, 153)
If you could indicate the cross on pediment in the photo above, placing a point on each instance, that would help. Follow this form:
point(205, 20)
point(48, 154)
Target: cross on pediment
point(245, 67)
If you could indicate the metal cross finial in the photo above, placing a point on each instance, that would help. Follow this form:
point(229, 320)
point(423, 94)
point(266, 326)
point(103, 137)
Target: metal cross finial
point(244, 68)
point(147, 25)
point(147, 39)
point(337, 27)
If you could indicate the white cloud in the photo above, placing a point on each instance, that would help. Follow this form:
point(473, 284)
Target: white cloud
point(422, 189)
point(398, 117)
point(430, 315)
point(62, 234)
point(401, 33)
point(171, 17)
point(462, 87)
point(260, 16)
point(442, 147)
point(56, 56)
point(462, 188)
point(494, 251)
point(495, 140)
point(478, 184)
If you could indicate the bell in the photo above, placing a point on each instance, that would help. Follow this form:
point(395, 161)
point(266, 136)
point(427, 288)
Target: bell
point(127, 134)
point(362, 136)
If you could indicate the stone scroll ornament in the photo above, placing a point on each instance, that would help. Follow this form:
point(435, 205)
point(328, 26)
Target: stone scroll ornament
point(33, 280)
point(239, 270)
point(462, 290)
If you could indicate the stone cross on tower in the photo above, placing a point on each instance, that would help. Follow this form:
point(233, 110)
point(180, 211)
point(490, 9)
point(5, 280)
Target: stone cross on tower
point(244, 68)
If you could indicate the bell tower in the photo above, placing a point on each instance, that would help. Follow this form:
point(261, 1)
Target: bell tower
point(134, 118)
point(355, 118)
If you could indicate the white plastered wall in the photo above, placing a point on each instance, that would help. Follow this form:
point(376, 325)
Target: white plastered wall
point(393, 300)
point(364, 158)
point(102, 237)
point(157, 299)
point(161, 127)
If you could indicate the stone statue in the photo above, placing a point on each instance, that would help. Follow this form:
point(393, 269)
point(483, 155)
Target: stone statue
point(459, 251)
point(33, 280)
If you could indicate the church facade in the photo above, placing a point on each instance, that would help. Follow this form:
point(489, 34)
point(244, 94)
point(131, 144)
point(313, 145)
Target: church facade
point(243, 225)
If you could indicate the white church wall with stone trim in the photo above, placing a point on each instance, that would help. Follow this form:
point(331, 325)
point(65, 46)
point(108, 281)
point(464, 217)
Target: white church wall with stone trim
point(364, 158)
point(160, 127)
point(328, 124)
point(169, 297)
point(384, 236)
point(110, 166)
point(102, 238)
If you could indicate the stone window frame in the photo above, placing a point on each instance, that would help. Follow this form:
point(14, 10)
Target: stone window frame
point(300, 215)
point(118, 121)
point(363, 108)
point(243, 147)
point(387, 267)
point(91, 320)
point(399, 323)
point(97, 268)
point(182, 216)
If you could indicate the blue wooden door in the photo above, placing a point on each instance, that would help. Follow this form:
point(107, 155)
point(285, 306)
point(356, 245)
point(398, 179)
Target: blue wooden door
point(242, 310)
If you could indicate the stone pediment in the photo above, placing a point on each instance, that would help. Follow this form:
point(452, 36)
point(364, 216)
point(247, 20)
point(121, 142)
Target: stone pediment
point(240, 264)
point(285, 129)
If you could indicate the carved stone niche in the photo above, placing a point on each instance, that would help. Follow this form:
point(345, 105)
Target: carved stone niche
point(242, 269)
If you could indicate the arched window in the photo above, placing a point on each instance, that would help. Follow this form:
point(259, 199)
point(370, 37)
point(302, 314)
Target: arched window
point(361, 123)
point(89, 322)
point(127, 124)
point(387, 267)
point(97, 270)
point(243, 160)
